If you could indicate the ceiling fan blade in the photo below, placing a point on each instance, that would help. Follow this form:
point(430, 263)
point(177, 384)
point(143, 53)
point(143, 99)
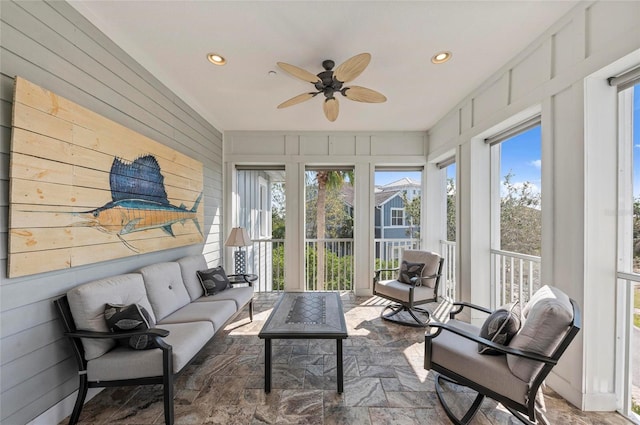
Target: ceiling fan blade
point(351, 68)
point(299, 73)
point(363, 94)
point(331, 109)
point(296, 99)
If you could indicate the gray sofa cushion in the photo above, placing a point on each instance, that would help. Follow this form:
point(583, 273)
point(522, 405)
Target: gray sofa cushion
point(547, 318)
point(216, 312)
point(241, 295)
point(124, 363)
point(188, 268)
point(165, 288)
point(87, 304)
point(460, 354)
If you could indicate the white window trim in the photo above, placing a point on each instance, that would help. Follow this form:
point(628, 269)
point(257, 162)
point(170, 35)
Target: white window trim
point(404, 217)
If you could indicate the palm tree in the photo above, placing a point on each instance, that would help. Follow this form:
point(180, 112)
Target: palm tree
point(326, 180)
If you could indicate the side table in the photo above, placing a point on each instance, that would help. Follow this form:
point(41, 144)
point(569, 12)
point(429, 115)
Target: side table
point(236, 279)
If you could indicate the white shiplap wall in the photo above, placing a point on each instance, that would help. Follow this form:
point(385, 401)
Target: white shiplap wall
point(53, 46)
point(579, 192)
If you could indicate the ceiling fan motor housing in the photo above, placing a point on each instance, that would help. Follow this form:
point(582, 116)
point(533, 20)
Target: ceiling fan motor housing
point(328, 84)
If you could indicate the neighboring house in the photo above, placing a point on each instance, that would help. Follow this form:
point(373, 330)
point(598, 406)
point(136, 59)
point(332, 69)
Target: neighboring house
point(391, 221)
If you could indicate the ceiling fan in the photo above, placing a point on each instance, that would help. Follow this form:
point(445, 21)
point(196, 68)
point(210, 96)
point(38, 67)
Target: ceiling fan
point(329, 82)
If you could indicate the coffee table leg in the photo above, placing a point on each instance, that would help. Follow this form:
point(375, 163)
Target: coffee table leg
point(340, 369)
point(267, 365)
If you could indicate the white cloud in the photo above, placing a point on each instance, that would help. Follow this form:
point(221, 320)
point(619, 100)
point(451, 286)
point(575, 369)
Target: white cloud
point(535, 189)
point(636, 146)
point(536, 163)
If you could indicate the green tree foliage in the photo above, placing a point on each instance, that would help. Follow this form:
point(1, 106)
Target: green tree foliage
point(277, 210)
point(325, 181)
point(412, 214)
point(451, 210)
point(520, 218)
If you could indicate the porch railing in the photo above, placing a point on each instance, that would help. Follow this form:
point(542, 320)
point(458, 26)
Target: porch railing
point(266, 259)
point(448, 279)
point(338, 264)
point(514, 276)
point(387, 254)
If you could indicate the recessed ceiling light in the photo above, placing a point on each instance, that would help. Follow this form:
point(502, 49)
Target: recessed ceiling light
point(441, 57)
point(216, 59)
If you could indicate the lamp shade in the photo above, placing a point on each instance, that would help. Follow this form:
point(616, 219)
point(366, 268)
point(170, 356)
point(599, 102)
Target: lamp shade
point(238, 237)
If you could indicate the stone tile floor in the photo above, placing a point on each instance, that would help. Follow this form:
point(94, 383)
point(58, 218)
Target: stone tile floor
point(385, 382)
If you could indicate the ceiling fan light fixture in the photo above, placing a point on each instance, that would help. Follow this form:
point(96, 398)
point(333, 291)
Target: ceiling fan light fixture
point(441, 57)
point(216, 59)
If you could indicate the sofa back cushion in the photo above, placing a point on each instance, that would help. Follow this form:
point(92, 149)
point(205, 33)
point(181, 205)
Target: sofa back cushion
point(548, 316)
point(87, 304)
point(189, 266)
point(165, 288)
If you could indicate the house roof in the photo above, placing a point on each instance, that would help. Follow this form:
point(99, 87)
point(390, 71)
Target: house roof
point(402, 184)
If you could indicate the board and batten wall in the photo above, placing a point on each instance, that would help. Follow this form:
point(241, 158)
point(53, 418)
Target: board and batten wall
point(550, 78)
point(52, 45)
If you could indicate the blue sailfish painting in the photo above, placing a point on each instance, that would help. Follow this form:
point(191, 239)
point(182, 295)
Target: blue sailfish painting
point(139, 202)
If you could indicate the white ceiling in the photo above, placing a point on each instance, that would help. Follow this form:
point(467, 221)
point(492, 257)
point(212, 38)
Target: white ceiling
point(172, 38)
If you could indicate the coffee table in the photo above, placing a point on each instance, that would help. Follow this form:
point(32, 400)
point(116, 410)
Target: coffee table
point(305, 315)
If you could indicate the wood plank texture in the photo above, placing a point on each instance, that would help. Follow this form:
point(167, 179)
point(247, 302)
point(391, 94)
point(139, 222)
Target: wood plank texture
point(63, 212)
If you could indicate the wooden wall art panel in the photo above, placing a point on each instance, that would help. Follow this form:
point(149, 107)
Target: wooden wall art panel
point(85, 189)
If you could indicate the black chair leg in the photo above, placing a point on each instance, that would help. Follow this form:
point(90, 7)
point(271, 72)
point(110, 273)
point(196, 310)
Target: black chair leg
point(398, 308)
point(82, 395)
point(468, 416)
point(251, 310)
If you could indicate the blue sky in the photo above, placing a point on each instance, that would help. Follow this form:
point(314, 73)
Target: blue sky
point(636, 141)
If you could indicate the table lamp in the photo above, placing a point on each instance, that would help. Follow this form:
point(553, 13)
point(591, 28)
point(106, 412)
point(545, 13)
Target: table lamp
point(239, 237)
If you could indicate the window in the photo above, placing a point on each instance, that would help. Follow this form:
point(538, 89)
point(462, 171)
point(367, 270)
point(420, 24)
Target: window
point(629, 243)
point(516, 212)
point(397, 216)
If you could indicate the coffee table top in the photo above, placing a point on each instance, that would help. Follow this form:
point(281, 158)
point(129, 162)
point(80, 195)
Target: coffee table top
point(306, 315)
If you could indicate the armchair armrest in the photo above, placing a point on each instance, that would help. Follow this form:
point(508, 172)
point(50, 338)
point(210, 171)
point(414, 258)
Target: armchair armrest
point(459, 306)
point(376, 277)
point(498, 347)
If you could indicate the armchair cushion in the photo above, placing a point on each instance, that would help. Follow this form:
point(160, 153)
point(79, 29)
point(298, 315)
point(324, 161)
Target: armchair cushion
point(547, 318)
point(410, 271)
point(500, 327)
point(460, 354)
point(431, 261)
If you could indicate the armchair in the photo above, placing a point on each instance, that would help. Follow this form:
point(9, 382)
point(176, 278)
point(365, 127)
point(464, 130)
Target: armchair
point(513, 377)
point(417, 283)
